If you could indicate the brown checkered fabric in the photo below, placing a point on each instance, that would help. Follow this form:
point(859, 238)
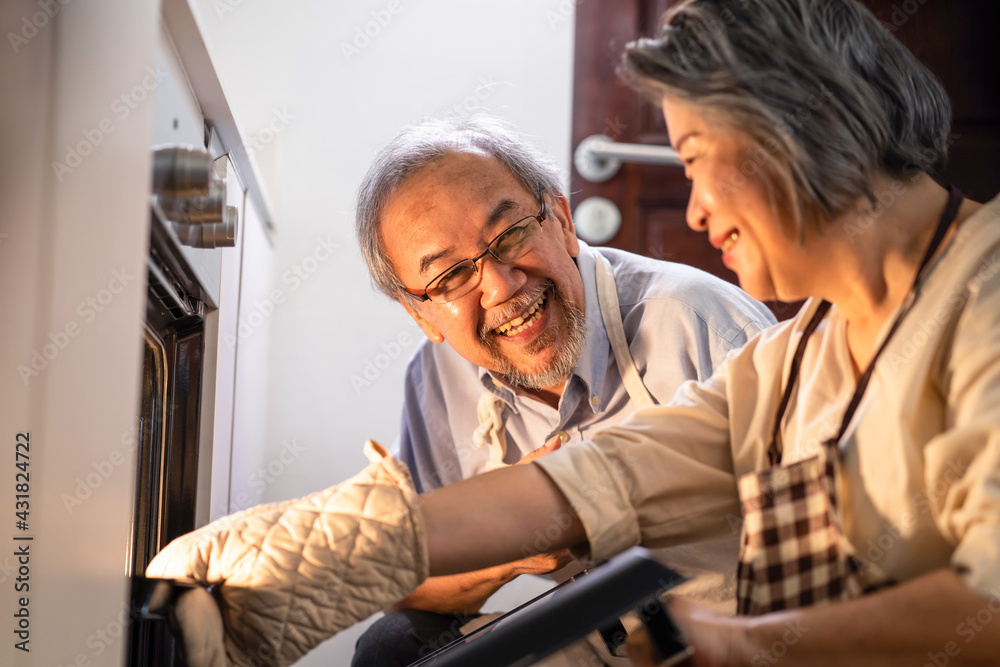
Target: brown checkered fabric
point(793, 552)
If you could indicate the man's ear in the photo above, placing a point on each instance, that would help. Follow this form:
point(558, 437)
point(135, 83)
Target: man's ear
point(559, 206)
point(432, 333)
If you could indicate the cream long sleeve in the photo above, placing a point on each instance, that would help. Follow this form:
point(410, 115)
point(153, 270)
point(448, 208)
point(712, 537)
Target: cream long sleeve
point(920, 472)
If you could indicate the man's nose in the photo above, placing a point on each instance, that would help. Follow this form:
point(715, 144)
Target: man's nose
point(499, 281)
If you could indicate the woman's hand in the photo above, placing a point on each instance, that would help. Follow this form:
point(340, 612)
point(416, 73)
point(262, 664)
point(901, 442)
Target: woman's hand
point(717, 640)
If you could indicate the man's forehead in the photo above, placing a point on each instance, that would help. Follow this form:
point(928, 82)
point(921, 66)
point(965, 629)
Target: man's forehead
point(461, 195)
point(467, 180)
point(461, 168)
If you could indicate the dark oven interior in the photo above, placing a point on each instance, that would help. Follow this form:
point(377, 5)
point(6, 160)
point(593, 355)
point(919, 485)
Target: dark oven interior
point(168, 429)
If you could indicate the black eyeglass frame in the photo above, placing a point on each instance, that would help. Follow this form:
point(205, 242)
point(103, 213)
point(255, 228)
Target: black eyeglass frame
point(539, 217)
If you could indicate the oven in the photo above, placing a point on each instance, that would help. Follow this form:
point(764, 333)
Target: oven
point(204, 191)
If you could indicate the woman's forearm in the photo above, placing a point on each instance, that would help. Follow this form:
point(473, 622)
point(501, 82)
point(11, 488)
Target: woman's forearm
point(933, 620)
point(495, 518)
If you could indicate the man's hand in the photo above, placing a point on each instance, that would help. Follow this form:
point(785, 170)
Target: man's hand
point(467, 593)
point(543, 563)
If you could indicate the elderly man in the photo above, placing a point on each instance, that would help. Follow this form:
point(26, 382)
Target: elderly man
point(549, 340)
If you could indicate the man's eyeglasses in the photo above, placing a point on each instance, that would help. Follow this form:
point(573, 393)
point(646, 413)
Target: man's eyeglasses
point(461, 278)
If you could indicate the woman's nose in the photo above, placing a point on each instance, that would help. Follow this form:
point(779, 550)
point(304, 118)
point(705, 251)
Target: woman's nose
point(697, 216)
point(499, 281)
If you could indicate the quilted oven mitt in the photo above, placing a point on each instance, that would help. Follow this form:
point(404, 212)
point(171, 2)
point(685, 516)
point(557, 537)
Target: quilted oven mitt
point(289, 575)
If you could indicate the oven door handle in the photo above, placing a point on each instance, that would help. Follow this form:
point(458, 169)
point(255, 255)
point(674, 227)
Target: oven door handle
point(166, 290)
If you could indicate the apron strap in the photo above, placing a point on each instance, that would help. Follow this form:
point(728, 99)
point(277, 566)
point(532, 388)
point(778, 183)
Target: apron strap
point(950, 211)
point(774, 450)
point(607, 297)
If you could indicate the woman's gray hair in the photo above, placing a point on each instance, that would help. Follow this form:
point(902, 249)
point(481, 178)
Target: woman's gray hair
point(826, 96)
point(416, 147)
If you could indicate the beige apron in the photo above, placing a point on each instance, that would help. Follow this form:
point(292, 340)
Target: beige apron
point(794, 552)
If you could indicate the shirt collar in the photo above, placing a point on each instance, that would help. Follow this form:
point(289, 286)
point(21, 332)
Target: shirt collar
point(592, 368)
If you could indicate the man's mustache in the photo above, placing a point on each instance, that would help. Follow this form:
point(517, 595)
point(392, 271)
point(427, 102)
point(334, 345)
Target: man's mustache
point(514, 305)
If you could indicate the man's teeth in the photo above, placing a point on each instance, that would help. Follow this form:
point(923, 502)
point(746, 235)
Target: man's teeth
point(730, 241)
point(519, 324)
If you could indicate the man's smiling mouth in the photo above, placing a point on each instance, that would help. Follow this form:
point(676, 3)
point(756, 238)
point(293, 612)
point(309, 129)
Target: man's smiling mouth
point(525, 320)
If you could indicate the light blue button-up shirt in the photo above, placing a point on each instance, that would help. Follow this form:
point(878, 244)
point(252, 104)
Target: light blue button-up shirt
point(680, 324)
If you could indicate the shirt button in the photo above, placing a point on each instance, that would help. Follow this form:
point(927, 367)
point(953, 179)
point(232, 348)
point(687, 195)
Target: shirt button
point(563, 437)
point(595, 400)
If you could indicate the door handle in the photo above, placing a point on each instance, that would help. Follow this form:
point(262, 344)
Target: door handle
point(598, 157)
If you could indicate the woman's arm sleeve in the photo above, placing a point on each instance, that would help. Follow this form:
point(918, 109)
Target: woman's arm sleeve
point(664, 476)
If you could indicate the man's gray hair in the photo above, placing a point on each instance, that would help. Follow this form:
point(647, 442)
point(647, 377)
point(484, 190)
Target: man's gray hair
point(416, 147)
point(825, 95)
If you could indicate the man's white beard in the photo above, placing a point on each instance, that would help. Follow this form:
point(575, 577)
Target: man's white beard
point(561, 366)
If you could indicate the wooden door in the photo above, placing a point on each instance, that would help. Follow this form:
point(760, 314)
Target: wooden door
point(955, 38)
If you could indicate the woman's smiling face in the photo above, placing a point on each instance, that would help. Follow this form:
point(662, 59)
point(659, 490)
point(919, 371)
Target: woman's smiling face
point(731, 202)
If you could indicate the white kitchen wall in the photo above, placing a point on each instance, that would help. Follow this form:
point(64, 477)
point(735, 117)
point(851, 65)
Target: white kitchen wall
point(319, 87)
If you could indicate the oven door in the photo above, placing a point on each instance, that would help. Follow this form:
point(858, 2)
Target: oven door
point(168, 427)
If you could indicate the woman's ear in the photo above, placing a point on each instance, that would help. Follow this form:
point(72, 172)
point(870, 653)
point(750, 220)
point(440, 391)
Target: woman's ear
point(429, 330)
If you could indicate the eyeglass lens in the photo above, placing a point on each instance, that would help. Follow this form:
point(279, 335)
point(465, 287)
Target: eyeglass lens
point(512, 244)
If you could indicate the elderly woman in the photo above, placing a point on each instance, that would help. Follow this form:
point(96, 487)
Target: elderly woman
point(855, 447)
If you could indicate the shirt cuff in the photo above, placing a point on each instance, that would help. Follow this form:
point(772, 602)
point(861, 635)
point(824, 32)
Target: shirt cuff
point(977, 559)
point(599, 497)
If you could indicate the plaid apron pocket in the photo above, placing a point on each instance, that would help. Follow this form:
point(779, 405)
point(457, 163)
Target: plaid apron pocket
point(793, 552)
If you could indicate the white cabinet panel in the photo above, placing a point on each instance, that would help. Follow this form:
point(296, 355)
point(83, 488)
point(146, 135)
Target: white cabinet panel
point(251, 474)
